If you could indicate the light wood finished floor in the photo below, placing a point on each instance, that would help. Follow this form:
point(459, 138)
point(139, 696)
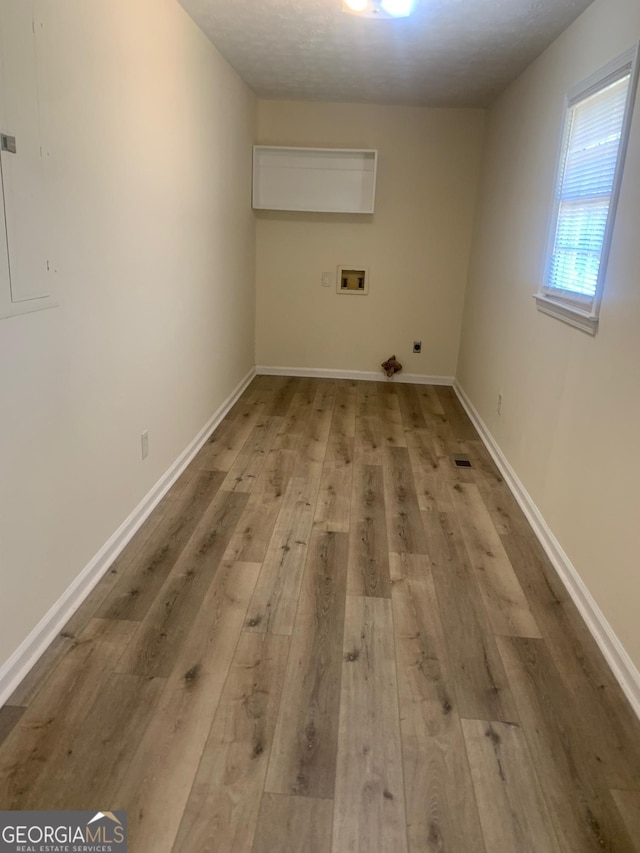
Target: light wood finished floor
point(328, 637)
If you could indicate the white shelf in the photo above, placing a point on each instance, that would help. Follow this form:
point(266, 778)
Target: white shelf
point(319, 180)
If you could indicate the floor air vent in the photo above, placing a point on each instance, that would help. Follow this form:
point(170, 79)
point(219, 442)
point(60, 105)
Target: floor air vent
point(462, 462)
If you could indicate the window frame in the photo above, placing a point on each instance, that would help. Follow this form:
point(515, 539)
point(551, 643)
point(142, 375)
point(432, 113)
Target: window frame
point(576, 309)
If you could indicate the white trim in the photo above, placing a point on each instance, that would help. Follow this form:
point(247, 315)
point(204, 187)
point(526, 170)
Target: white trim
point(614, 652)
point(26, 655)
point(364, 375)
point(586, 322)
point(550, 300)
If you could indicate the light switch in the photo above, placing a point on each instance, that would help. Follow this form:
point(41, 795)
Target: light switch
point(327, 279)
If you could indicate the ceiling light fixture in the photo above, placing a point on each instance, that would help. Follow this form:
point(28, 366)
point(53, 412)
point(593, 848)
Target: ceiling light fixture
point(356, 5)
point(398, 8)
point(379, 8)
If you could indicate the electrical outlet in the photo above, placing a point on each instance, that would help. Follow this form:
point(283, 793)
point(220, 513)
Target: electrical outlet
point(417, 346)
point(499, 406)
point(144, 443)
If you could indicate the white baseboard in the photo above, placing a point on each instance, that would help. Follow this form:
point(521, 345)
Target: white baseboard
point(28, 653)
point(365, 375)
point(614, 652)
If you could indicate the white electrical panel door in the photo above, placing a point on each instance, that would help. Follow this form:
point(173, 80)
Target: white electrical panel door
point(321, 180)
point(21, 158)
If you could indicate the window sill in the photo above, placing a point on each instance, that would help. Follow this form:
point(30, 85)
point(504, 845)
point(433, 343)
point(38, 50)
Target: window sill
point(567, 314)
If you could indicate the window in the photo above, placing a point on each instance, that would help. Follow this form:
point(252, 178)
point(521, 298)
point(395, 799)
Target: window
point(597, 121)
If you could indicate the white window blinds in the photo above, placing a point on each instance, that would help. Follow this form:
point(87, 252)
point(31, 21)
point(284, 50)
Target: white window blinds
point(586, 185)
point(590, 168)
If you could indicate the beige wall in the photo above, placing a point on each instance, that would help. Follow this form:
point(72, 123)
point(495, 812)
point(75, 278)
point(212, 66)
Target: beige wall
point(415, 245)
point(153, 240)
point(571, 412)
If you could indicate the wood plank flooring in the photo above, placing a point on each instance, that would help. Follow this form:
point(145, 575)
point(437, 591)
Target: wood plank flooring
point(328, 638)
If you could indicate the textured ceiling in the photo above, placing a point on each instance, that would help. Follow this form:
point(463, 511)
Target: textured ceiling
point(448, 53)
